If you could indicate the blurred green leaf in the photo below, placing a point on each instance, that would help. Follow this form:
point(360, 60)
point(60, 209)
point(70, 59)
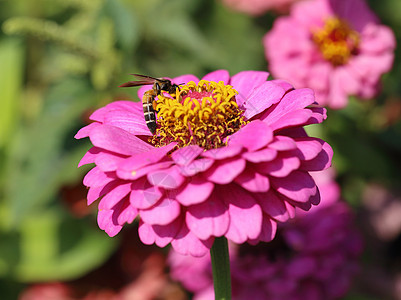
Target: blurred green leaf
point(12, 63)
point(54, 247)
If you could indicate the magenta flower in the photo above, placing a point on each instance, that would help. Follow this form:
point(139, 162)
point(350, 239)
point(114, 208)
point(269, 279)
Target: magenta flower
point(337, 48)
point(258, 7)
point(315, 256)
point(229, 158)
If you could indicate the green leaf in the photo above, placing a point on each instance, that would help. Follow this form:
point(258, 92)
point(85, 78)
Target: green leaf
point(12, 63)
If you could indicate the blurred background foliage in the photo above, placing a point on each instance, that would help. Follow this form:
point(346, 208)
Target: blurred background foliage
point(60, 59)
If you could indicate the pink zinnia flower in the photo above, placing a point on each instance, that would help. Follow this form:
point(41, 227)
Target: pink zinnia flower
point(258, 7)
point(229, 158)
point(313, 257)
point(337, 48)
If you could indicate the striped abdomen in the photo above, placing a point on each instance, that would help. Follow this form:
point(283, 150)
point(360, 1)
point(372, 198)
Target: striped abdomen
point(148, 111)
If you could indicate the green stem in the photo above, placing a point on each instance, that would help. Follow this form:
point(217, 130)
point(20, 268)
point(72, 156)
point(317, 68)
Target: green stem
point(221, 269)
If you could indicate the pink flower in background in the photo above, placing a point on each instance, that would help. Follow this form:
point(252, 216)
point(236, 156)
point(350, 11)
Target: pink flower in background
point(229, 158)
point(337, 48)
point(313, 257)
point(258, 7)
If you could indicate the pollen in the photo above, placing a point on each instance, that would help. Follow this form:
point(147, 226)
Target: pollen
point(336, 41)
point(203, 114)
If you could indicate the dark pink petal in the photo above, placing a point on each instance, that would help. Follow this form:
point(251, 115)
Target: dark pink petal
point(117, 140)
point(224, 152)
point(319, 114)
point(262, 97)
point(253, 136)
point(245, 213)
point(105, 222)
point(322, 161)
point(268, 232)
point(298, 186)
point(95, 177)
point(302, 267)
point(218, 75)
point(292, 101)
point(162, 213)
point(283, 143)
point(253, 181)
point(265, 154)
point(290, 209)
point(282, 166)
point(143, 194)
point(170, 178)
point(129, 121)
point(108, 161)
point(244, 82)
point(114, 196)
point(225, 170)
point(196, 191)
point(85, 131)
point(186, 243)
point(184, 156)
point(89, 156)
point(272, 205)
point(208, 219)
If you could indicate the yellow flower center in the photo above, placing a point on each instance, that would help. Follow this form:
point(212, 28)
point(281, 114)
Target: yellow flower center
point(336, 41)
point(203, 114)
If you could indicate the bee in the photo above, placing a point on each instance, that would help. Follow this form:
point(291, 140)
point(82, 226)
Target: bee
point(148, 99)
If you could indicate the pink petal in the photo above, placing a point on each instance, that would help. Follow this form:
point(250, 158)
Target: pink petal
point(159, 235)
point(197, 166)
point(272, 205)
point(225, 170)
point(143, 194)
point(280, 167)
point(298, 186)
point(163, 213)
point(114, 196)
point(268, 232)
point(196, 191)
point(253, 136)
point(100, 113)
point(294, 118)
point(183, 79)
point(89, 156)
point(244, 82)
point(322, 161)
point(85, 131)
point(283, 143)
point(208, 219)
point(170, 178)
point(253, 181)
point(125, 213)
point(108, 161)
point(105, 222)
point(293, 100)
point(95, 193)
point(223, 152)
point(309, 147)
point(95, 177)
point(125, 172)
point(117, 140)
point(216, 76)
point(284, 84)
point(265, 154)
point(245, 213)
point(184, 156)
point(132, 122)
point(186, 243)
point(262, 97)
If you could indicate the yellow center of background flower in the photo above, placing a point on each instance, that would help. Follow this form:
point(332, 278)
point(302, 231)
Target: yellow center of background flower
point(336, 41)
point(203, 114)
